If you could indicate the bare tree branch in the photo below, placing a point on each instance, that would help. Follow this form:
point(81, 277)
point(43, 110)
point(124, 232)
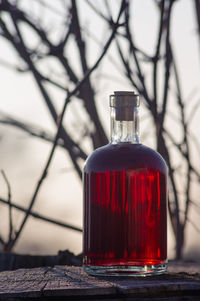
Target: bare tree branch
point(185, 140)
point(178, 146)
point(168, 61)
point(197, 8)
point(98, 12)
point(41, 217)
point(157, 56)
point(29, 129)
point(73, 148)
point(73, 92)
point(139, 71)
point(130, 61)
point(9, 206)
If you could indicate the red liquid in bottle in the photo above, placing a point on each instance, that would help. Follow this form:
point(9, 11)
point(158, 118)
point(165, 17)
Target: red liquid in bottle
point(125, 222)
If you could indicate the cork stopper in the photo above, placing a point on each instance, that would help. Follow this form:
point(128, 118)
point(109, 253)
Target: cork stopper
point(124, 103)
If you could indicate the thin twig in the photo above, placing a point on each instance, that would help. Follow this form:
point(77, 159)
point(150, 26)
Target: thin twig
point(30, 130)
point(156, 57)
point(178, 146)
point(9, 65)
point(168, 60)
point(139, 71)
point(50, 7)
point(9, 205)
point(197, 9)
point(195, 203)
point(185, 139)
point(176, 211)
point(194, 111)
point(42, 217)
point(2, 241)
point(44, 78)
point(128, 72)
point(97, 11)
point(193, 224)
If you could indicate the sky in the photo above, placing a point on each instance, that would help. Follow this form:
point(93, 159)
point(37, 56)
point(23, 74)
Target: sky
point(23, 157)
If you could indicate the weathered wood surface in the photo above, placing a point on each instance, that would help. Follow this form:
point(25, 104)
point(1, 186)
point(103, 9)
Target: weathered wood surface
point(181, 282)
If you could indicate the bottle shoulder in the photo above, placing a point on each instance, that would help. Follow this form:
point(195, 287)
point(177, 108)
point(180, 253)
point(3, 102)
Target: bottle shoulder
point(123, 156)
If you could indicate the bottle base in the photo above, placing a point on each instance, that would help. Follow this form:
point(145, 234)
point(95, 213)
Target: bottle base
point(130, 271)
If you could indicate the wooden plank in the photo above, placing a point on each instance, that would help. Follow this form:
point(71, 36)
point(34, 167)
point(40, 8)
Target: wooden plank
point(73, 283)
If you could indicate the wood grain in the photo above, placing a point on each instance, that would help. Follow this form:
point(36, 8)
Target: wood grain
point(72, 283)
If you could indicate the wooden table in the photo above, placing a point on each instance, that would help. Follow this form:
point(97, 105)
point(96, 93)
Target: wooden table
point(72, 283)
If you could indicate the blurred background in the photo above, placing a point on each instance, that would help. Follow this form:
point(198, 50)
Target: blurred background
point(47, 48)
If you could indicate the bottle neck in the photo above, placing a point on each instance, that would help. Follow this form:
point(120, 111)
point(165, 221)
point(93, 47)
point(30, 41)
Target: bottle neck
point(124, 131)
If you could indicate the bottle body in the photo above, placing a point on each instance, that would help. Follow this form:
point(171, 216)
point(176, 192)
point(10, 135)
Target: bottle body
point(125, 200)
point(125, 220)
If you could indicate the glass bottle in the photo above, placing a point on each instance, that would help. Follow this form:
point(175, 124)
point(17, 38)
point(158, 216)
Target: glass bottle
point(125, 200)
